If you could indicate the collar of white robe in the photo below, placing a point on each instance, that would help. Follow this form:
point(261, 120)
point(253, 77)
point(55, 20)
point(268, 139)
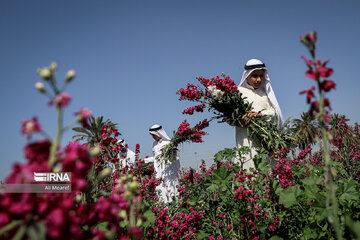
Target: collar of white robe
point(159, 131)
point(256, 64)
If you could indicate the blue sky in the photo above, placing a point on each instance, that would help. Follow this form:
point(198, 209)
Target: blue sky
point(132, 56)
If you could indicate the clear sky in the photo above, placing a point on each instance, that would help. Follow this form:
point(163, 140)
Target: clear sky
point(132, 56)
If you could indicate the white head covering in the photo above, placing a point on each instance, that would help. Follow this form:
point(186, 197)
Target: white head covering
point(122, 142)
point(159, 131)
point(255, 64)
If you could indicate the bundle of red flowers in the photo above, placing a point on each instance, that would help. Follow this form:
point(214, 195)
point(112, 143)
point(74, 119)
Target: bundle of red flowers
point(185, 133)
point(221, 96)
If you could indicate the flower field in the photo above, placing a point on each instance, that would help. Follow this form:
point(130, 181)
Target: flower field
point(306, 184)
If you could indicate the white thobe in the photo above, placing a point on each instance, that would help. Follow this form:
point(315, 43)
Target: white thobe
point(260, 102)
point(169, 172)
point(127, 157)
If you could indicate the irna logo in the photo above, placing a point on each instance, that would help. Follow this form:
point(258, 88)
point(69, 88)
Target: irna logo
point(52, 177)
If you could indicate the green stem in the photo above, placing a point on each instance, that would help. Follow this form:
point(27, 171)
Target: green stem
point(331, 200)
point(261, 128)
point(10, 226)
point(55, 144)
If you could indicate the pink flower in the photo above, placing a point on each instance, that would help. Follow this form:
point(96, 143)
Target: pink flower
point(308, 62)
point(311, 36)
point(83, 115)
point(327, 85)
point(327, 103)
point(271, 227)
point(62, 100)
point(30, 126)
point(309, 94)
point(312, 74)
point(324, 71)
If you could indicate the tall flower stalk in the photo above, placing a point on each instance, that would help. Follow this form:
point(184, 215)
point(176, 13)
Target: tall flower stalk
point(320, 108)
point(60, 100)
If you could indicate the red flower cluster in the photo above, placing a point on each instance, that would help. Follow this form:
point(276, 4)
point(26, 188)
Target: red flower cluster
point(226, 85)
point(197, 108)
point(59, 212)
point(30, 126)
point(317, 71)
point(78, 162)
point(108, 140)
point(83, 115)
point(179, 226)
point(137, 148)
point(190, 93)
point(195, 134)
point(61, 100)
point(282, 172)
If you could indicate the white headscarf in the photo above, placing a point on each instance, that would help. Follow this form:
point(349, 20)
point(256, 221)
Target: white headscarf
point(159, 131)
point(255, 64)
point(122, 142)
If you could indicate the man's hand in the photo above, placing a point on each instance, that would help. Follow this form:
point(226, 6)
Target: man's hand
point(247, 117)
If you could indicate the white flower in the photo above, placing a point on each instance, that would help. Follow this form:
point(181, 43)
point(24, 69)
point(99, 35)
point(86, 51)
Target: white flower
point(217, 93)
point(40, 86)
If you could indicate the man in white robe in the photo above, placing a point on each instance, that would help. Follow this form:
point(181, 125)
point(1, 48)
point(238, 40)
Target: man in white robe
point(168, 172)
point(125, 155)
point(255, 86)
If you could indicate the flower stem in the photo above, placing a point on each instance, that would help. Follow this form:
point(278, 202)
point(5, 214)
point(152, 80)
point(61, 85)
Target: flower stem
point(55, 144)
point(331, 200)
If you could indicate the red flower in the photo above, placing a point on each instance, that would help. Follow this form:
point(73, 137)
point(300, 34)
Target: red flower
point(314, 107)
point(62, 100)
point(308, 62)
point(83, 115)
point(197, 108)
point(327, 85)
point(324, 71)
point(309, 94)
point(271, 227)
point(327, 103)
point(30, 126)
point(312, 74)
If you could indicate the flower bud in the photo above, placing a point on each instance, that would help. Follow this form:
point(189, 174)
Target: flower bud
point(78, 198)
point(40, 86)
point(95, 151)
point(105, 173)
point(128, 195)
point(122, 214)
point(53, 66)
point(133, 186)
point(333, 172)
point(139, 222)
point(70, 75)
point(45, 73)
point(123, 179)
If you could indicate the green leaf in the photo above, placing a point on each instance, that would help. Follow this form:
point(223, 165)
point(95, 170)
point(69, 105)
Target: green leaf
point(276, 238)
point(349, 192)
point(353, 226)
point(203, 235)
point(103, 226)
point(37, 231)
point(309, 234)
point(20, 233)
point(150, 218)
point(212, 187)
point(289, 196)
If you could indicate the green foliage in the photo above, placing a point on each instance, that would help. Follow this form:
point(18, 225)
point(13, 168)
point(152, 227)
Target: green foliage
point(305, 130)
point(91, 134)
